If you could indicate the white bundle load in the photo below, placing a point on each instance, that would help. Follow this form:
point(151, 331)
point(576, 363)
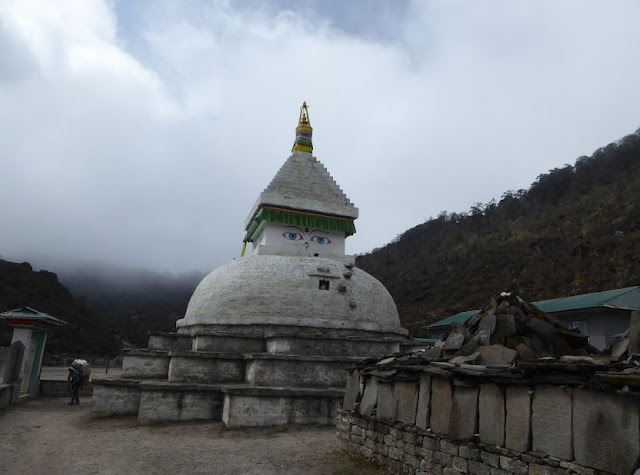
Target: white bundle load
point(83, 367)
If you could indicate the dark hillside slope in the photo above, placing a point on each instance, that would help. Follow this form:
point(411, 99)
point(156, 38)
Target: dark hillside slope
point(575, 230)
point(84, 335)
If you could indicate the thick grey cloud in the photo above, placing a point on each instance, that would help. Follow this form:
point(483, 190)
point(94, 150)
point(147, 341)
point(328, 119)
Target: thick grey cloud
point(140, 133)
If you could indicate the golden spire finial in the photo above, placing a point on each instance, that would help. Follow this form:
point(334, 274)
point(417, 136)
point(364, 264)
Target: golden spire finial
point(303, 132)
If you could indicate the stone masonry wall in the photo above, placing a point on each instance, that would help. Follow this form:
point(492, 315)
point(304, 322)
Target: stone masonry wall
point(433, 425)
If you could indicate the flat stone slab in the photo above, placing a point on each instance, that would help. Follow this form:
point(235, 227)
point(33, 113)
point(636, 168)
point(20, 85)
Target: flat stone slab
point(352, 391)
point(441, 398)
point(405, 394)
point(491, 415)
point(424, 402)
point(285, 357)
point(386, 405)
point(179, 387)
point(243, 390)
point(369, 397)
point(606, 430)
point(144, 352)
point(518, 418)
point(206, 355)
point(111, 398)
point(551, 421)
point(464, 413)
point(132, 383)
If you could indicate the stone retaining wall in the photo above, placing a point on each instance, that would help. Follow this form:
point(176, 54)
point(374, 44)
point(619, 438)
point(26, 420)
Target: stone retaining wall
point(429, 424)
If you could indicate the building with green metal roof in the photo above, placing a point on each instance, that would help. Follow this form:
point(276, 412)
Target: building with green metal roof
point(30, 328)
point(599, 315)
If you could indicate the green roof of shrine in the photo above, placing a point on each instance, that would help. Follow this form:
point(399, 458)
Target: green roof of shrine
point(28, 313)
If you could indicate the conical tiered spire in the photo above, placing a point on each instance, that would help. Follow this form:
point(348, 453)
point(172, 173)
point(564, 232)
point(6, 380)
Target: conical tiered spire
point(303, 132)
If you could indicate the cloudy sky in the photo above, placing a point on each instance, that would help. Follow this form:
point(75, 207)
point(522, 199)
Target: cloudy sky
point(140, 132)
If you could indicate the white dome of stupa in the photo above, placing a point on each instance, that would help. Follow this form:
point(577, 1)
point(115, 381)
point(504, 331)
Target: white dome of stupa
point(292, 291)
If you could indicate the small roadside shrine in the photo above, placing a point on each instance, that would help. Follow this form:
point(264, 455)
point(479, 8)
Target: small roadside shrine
point(30, 327)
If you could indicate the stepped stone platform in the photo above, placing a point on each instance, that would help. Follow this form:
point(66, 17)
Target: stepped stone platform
point(252, 377)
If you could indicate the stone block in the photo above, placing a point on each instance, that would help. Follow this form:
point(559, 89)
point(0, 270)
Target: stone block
point(478, 468)
point(425, 454)
point(518, 418)
point(513, 465)
point(165, 406)
point(535, 469)
point(412, 461)
point(496, 355)
point(405, 394)
point(192, 367)
point(441, 399)
point(464, 413)
point(386, 405)
point(448, 447)
point(257, 410)
point(469, 453)
point(162, 342)
point(228, 344)
point(450, 471)
point(431, 443)
point(460, 464)
point(454, 342)
point(352, 391)
point(551, 421)
point(369, 397)
point(442, 459)
point(145, 364)
point(290, 370)
point(491, 415)
point(424, 401)
point(606, 430)
point(505, 326)
point(491, 459)
point(115, 398)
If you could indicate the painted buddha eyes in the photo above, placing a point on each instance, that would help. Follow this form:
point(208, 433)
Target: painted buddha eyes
point(321, 240)
point(292, 236)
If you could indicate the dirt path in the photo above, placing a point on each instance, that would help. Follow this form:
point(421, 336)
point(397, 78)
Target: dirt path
point(48, 436)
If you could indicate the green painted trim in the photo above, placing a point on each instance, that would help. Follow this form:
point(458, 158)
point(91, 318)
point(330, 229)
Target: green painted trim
point(293, 218)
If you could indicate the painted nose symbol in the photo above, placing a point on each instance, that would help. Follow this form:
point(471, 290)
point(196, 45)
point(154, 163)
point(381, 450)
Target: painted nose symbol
point(306, 245)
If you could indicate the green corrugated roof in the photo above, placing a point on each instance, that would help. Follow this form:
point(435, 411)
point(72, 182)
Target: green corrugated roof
point(461, 317)
point(28, 313)
point(563, 304)
point(578, 302)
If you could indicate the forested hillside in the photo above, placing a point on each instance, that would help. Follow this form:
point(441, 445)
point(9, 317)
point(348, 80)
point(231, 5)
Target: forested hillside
point(575, 230)
point(85, 334)
point(107, 308)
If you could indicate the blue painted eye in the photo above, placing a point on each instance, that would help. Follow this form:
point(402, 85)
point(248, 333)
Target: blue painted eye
point(321, 240)
point(292, 236)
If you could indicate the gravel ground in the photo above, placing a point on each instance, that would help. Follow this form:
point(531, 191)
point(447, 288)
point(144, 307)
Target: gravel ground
point(47, 436)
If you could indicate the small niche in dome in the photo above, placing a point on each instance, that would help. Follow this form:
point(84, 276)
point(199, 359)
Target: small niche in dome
point(324, 284)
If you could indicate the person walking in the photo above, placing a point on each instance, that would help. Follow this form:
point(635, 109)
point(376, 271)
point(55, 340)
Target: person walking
point(74, 381)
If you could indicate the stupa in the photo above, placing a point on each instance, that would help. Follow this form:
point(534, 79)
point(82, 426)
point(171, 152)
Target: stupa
point(266, 338)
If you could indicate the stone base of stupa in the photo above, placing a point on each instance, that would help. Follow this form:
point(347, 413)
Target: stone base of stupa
point(256, 376)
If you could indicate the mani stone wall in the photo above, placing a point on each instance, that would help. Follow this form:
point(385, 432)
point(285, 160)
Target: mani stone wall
point(433, 425)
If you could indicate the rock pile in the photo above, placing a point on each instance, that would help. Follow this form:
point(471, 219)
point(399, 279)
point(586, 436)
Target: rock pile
point(510, 329)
